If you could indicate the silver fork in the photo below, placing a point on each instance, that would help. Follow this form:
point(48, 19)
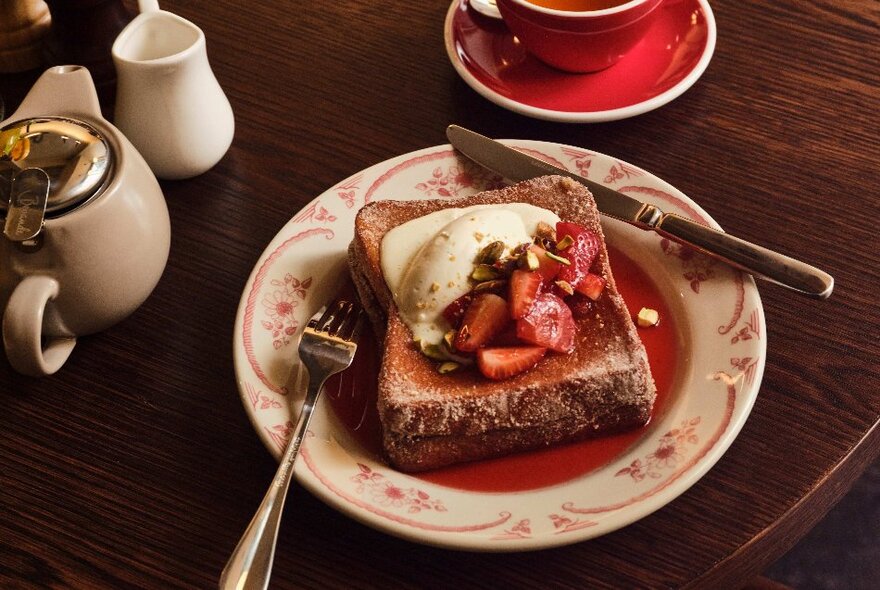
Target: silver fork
point(327, 347)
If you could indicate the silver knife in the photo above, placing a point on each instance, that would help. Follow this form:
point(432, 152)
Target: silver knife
point(760, 262)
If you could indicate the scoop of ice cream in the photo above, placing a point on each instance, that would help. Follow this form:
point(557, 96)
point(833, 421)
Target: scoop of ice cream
point(428, 261)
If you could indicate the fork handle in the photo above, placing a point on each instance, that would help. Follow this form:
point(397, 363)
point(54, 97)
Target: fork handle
point(250, 565)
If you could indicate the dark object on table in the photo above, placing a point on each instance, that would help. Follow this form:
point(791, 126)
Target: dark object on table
point(23, 28)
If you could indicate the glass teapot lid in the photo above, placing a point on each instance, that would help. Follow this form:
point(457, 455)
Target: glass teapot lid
point(73, 154)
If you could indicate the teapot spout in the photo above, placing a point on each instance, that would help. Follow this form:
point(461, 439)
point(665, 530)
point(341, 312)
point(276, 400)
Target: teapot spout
point(64, 91)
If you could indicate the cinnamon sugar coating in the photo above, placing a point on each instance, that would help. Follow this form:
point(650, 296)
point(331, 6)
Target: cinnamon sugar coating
point(430, 420)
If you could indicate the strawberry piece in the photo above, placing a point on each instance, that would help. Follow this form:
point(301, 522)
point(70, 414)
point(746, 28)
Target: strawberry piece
point(454, 312)
point(548, 267)
point(549, 324)
point(507, 337)
point(524, 287)
point(485, 317)
point(580, 254)
point(580, 305)
point(501, 363)
point(592, 286)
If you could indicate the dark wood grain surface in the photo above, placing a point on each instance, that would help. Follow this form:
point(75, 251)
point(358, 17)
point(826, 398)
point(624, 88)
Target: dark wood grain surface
point(136, 465)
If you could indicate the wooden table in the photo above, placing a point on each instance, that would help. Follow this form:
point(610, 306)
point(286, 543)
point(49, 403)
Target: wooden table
point(136, 466)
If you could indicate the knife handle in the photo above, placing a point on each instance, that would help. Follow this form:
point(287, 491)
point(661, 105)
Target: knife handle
point(748, 257)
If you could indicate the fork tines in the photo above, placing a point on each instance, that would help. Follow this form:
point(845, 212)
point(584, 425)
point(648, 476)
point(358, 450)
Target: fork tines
point(340, 319)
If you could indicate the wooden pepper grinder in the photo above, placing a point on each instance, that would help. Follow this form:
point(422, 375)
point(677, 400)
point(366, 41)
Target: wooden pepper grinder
point(82, 33)
point(23, 28)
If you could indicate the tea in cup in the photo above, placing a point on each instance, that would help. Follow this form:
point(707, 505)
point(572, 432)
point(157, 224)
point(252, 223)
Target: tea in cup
point(579, 35)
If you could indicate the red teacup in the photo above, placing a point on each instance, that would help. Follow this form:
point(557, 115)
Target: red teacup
point(579, 40)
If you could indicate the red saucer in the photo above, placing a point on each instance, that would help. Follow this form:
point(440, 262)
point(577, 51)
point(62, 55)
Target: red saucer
point(672, 56)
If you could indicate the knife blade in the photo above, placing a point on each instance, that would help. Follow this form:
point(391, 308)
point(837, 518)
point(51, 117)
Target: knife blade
point(756, 260)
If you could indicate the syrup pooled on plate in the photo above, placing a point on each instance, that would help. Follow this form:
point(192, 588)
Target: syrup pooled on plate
point(352, 396)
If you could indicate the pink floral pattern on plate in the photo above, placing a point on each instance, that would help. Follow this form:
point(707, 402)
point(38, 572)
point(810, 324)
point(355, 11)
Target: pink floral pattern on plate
point(621, 171)
point(580, 159)
point(279, 306)
point(668, 454)
point(703, 421)
point(352, 488)
point(314, 212)
point(347, 190)
point(255, 291)
point(259, 400)
point(388, 494)
point(458, 180)
point(696, 267)
point(520, 530)
point(567, 524)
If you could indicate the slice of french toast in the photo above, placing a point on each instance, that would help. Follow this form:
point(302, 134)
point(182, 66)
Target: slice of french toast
point(431, 419)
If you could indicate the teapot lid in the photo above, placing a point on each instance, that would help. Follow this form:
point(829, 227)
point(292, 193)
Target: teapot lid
point(73, 154)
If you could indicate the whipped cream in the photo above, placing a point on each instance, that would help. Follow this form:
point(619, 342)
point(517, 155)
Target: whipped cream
point(427, 262)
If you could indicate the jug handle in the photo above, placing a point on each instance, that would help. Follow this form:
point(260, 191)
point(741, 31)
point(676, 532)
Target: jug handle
point(22, 329)
point(148, 5)
point(61, 90)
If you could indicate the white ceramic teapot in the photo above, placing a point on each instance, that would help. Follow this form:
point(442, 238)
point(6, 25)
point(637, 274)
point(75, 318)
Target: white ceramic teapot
point(86, 228)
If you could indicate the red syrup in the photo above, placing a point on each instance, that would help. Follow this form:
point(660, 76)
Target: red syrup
point(352, 395)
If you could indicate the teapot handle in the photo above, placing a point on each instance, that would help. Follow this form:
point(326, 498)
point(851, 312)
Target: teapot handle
point(22, 329)
point(61, 90)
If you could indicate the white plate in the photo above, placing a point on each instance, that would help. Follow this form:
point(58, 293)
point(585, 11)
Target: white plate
point(717, 311)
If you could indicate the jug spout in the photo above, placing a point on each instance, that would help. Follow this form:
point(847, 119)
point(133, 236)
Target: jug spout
point(61, 90)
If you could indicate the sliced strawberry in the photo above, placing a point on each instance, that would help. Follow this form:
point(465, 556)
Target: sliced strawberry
point(501, 363)
point(507, 337)
point(549, 324)
point(592, 286)
point(581, 253)
point(580, 305)
point(486, 316)
point(524, 287)
point(548, 267)
point(454, 312)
